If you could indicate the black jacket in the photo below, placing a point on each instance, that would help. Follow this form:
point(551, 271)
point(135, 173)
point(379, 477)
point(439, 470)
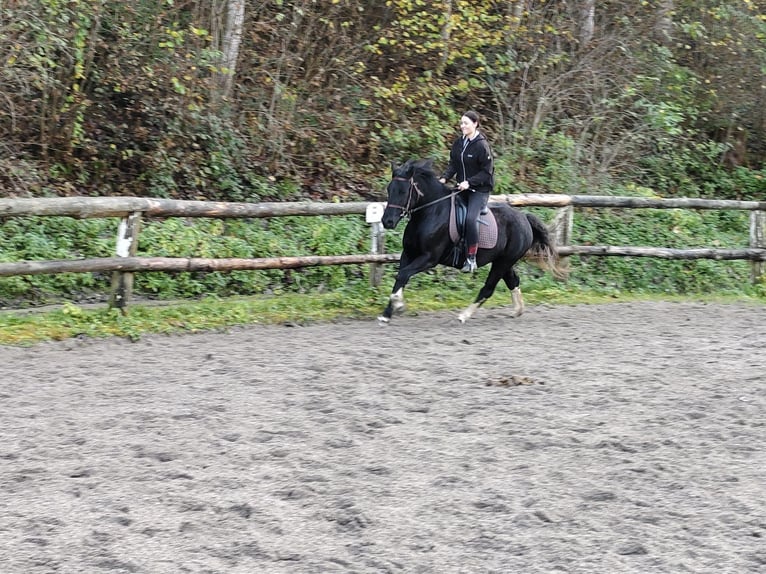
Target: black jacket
point(474, 163)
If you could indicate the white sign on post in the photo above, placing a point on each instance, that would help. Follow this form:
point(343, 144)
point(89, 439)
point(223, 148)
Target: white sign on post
point(375, 212)
point(124, 239)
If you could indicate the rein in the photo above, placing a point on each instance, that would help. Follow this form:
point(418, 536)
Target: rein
point(453, 194)
point(407, 209)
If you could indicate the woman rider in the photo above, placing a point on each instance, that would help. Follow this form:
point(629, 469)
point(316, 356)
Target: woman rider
point(470, 163)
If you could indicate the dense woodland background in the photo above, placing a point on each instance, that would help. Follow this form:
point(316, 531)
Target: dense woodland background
point(247, 100)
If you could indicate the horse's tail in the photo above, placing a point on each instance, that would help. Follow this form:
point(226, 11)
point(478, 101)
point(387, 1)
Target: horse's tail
point(544, 251)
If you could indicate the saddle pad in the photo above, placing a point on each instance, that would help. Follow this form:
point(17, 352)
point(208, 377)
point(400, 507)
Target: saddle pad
point(487, 227)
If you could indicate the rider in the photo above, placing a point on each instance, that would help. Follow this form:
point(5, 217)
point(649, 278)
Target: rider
point(470, 163)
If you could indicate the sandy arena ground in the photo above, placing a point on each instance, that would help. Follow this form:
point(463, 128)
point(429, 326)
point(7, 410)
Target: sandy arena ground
point(623, 438)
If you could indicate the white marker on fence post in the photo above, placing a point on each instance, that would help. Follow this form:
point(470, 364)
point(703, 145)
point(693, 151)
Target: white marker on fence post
point(373, 215)
point(127, 244)
point(758, 241)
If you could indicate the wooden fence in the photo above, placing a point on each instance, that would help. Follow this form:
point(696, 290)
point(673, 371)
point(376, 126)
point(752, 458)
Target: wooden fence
point(131, 210)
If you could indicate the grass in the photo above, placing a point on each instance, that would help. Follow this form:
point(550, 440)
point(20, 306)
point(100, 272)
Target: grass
point(23, 328)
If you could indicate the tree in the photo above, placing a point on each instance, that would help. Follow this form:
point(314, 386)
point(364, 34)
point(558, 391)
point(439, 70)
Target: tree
point(227, 99)
point(232, 39)
point(587, 21)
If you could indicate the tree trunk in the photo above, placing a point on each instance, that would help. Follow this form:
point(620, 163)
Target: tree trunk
point(516, 10)
point(663, 30)
point(446, 34)
point(587, 24)
point(232, 38)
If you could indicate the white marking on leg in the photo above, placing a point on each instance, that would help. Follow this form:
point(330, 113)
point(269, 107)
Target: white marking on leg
point(397, 300)
point(468, 312)
point(518, 302)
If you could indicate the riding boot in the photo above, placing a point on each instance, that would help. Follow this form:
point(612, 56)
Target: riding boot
point(470, 261)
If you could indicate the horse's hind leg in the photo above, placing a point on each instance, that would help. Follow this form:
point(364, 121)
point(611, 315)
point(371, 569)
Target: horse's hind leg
point(512, 281)
point(493, 278)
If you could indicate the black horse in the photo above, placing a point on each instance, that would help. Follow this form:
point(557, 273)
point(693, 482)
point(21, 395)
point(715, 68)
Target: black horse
point(416, 192)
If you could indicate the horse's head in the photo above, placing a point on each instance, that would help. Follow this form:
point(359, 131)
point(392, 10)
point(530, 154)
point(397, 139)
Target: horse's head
point(404, 190)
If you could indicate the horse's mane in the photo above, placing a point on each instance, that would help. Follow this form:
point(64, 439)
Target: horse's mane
point(416, 167)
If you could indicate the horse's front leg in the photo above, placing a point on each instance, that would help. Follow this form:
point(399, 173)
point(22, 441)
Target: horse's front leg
point(395, 304)
point(407, 268)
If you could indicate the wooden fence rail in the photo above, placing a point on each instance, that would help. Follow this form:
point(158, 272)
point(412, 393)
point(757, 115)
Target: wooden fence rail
point(132, 209)
point(132, 264)
point(84, 207)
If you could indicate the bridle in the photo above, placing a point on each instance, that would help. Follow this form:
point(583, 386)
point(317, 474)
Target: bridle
point(411, 191)
point(407, 208)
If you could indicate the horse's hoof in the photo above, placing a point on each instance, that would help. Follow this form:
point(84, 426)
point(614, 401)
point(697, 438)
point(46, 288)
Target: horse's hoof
point(468, 312)
point(383, 320)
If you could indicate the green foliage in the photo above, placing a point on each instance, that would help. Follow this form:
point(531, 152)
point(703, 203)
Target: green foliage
point(278, 237)
point(399, 144)
point(742, 183)
point(672, 228)
point(696, 171)
point(38, 77)
point(63, 238)
point(209, 156)
point(48, 238)
point(127, 96)
point(544, 162)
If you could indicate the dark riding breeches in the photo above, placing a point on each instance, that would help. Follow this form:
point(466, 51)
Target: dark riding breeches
point(476, 202)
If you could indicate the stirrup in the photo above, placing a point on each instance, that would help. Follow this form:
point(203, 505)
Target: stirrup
point(469, 266)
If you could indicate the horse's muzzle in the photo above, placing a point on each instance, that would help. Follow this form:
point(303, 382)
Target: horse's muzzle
point(391, 218)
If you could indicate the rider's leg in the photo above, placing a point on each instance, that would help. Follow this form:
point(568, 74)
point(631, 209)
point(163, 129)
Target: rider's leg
point(476, 202)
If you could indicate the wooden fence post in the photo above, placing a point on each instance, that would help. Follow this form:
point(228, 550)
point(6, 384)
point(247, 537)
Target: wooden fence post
point(562, 230)
point(127, 244)
point(757, 240)
point(373, 216)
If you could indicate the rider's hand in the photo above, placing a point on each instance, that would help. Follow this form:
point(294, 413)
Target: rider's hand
point(442, 180)
point(463, 185)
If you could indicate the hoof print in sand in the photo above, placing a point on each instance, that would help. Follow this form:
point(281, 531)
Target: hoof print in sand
point(513, 381)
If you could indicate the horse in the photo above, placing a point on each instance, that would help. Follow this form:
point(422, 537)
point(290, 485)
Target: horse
point(415, 192)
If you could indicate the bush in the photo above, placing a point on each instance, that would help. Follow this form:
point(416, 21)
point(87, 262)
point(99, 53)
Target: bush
point(50, 238)
point(672, 228)
point(260, 238)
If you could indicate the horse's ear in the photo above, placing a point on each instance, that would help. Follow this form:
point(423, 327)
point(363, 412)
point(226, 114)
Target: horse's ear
point(393, 168)
point(421, 166)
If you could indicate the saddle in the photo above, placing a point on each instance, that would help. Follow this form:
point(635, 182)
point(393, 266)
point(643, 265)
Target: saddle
point(487, 224)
